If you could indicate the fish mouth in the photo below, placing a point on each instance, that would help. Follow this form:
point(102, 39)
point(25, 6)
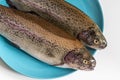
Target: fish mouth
point(100, 47)
point(90, 68)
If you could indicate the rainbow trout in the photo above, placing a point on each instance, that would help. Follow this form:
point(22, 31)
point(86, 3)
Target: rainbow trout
point(66, 16)
point(43, 40)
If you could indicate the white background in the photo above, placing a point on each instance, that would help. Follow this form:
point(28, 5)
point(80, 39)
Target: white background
point(108, 60)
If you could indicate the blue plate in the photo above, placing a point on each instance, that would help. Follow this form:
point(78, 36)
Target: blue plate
point(29, 66)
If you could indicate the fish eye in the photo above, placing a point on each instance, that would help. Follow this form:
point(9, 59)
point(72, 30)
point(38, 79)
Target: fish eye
point(85, 61)
point(96, 41)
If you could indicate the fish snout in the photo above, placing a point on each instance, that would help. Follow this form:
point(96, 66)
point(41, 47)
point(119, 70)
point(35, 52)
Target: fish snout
point(92, 66)
point(103, 44)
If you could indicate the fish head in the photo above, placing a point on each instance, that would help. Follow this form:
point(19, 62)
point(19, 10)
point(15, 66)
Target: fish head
point(93, 38)
point(80, 59)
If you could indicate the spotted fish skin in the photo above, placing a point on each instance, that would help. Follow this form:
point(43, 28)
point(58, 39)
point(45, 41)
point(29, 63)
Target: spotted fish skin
point(67, 17)
point(42, 39)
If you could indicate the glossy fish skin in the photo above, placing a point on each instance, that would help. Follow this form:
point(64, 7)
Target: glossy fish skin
point(43, 40)
point(69, 18)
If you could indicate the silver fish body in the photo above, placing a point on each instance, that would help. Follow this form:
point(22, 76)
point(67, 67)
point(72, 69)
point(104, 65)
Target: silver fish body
point(67, 17)
point(43, 40)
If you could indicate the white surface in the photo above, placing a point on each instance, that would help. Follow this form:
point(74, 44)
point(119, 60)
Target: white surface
point(108, 60)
